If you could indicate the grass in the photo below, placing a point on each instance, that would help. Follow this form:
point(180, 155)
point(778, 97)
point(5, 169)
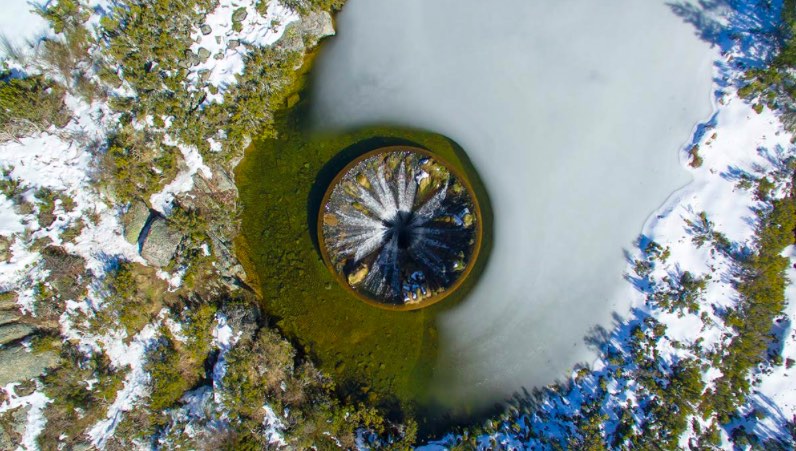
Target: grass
point(379, 357)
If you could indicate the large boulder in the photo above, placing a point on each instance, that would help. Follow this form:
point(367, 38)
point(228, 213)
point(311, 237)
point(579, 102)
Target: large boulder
point(8, 316)
point(160, 243)
point(13, 332)
point(134, 220)
point(18, 364)
point(317, 25)
point(8, 300)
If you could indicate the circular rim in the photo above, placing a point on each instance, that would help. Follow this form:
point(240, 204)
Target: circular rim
point(431, 299)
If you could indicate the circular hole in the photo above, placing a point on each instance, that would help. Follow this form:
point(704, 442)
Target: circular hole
point(400, 228)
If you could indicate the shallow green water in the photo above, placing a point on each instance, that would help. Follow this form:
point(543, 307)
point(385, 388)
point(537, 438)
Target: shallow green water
point(381, 357)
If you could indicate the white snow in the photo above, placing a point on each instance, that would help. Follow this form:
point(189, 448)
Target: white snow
point(21, 26)
point(163, 201)
point(174, 279)
point(35, 422)
point(65, 161)
point(775, 394)
point(273, 427)
point(256, 30)
point(124, 355)
point(224, 338)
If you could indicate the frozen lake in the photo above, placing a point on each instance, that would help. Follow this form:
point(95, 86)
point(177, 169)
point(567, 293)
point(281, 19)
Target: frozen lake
point(573, 112)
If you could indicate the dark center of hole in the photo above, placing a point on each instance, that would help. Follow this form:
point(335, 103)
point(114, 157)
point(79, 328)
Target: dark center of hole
point(400, 226)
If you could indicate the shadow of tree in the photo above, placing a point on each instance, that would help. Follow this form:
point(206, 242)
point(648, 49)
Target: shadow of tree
point(749, 30)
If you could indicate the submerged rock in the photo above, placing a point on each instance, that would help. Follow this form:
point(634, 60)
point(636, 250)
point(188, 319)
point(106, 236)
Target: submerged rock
point(160, 243)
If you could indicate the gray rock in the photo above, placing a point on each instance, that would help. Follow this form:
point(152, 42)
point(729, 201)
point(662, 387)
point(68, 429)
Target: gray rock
point(205, 29)
point(203, 54)
point(240, 15)
point(187, 60)
point(233, 44)
point(160, 243)
point(5, 248)
point(8, 301)
point(134, 220)
point(8, 316)
point(17, 364)
point(223, 182)
point(13, 332)
point(292, 40)
point(317, 25)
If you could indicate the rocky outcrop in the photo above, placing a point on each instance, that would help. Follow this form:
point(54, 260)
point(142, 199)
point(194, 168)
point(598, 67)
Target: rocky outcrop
point(157, 239)
point(14, 332)
point(160, 242)
point(8, 316)
point(20, 364)
point(8, 300)
point(134, 220)
point(317, 26)
point(307, 32)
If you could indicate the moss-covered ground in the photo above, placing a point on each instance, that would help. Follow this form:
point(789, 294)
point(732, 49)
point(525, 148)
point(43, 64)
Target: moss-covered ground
point(379, 357)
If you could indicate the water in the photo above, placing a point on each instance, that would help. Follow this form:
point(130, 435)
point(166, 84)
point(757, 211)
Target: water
point(573, 112)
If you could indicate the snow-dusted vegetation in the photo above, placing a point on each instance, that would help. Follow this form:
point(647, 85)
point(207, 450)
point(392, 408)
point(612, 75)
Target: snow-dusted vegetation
point(126, 322)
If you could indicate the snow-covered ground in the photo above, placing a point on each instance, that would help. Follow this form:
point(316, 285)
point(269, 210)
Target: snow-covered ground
point(20, 25)
point(735, 141)
point(65, 162)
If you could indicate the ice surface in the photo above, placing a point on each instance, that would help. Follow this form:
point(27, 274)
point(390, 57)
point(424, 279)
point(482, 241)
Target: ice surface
point(573, 113)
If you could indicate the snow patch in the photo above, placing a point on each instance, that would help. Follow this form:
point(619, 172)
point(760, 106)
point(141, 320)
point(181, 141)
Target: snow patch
point(256, 31)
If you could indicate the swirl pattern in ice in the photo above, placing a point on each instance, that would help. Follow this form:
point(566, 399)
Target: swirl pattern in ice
point(400, 228)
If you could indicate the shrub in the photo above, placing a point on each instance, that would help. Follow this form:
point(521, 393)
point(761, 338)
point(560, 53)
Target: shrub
point(30, 104)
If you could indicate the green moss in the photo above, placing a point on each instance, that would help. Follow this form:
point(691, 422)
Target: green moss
point(380, 357)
